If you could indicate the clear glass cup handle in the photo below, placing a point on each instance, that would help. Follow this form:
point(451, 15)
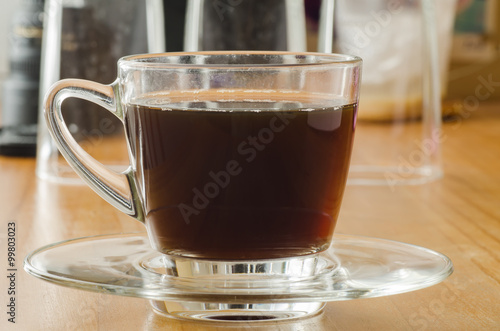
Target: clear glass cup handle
point(118, 189)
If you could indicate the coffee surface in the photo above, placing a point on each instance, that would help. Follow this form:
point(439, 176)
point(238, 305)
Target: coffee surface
point(232, 180)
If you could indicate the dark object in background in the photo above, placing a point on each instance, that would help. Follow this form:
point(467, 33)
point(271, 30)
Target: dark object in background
point(19, 140)
point(20, 91)
point(175, 16)
point(90, 47)
point(86, 53)
point(227, 27)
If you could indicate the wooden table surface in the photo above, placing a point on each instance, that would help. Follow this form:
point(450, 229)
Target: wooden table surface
point(458, 215)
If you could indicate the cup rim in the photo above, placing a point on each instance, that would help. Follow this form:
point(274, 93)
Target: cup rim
point(143, 61)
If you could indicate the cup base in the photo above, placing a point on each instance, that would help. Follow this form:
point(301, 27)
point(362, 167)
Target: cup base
point(230, 312)
point(244, 274)
point(245, 277)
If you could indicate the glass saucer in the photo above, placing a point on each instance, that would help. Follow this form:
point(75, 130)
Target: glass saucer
point(125, 264)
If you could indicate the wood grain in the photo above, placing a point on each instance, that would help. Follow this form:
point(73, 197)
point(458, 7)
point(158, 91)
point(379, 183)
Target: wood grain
point(458, 215)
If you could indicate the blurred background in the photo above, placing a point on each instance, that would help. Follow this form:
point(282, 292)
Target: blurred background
point(475, 48)
point(8, 9)
point(474, 58)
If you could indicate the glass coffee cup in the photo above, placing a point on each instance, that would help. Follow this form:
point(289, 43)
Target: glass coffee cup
point(237, 159)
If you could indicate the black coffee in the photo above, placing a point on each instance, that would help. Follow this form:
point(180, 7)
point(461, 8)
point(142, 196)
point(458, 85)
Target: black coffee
point(241, 180)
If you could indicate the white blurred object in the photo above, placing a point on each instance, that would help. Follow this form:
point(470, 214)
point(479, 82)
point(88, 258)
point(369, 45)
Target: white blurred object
point(388, 36)
point(405, 46)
